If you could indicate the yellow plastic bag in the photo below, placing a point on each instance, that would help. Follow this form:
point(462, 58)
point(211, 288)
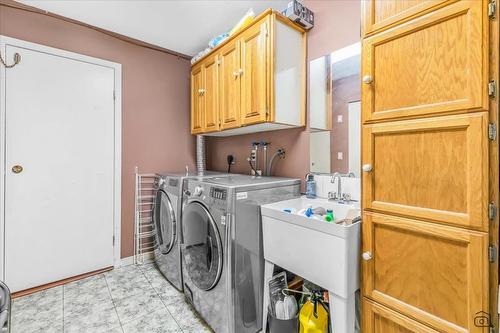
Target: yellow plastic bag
point(309, 323)
point(245, 21)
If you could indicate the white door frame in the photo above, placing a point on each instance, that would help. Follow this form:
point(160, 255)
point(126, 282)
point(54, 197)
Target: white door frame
point(117, 68)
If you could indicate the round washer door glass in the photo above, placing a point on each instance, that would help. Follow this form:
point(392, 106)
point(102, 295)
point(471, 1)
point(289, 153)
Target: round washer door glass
point(165, 223)
point(202, 246)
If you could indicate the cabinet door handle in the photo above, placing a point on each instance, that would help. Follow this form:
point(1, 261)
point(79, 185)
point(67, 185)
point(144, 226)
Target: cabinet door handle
point(201, 92)
point(240, 72)
point(236, 74)
point(367, 256)
point(367, 167)
point(368, 79)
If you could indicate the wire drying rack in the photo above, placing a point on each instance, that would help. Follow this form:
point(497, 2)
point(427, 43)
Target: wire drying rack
point(145, 191)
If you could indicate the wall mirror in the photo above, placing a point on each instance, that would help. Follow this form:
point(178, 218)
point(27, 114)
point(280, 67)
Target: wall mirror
point(335, 111)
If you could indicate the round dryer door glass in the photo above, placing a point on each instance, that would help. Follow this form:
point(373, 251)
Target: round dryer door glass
point(165, 223)
point(202, 246)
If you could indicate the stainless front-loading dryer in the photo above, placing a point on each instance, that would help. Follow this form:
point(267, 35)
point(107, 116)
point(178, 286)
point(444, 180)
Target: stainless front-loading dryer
point(167, 214)
point(223, 263)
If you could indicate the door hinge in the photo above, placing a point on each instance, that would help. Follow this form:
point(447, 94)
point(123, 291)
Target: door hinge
point(492, 131)
point(492, 8)
point(492, 211)
point(492, 253)
point(113, 240)
point(114, 95)
point(492, 89)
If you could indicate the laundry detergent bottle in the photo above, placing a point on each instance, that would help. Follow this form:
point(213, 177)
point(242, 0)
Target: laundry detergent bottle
point(313, 316)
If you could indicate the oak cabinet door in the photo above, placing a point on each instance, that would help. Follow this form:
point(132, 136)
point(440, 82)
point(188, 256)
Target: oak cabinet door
point(379, 319)
point(254, 65)
point(197, 105)
point(435, 64)
point(433, 168)
point(435, 274)
point(211, 94)
point(229, 85)
point(380, 14)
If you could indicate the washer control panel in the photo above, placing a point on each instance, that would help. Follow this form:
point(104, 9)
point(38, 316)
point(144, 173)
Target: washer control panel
point(218, 193)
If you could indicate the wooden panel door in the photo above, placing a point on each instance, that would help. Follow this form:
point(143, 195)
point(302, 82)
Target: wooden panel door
point(380, 14)
point(435, 274)
point(229, 85)
point(379, 319)
point(211, 94)
point(435, 64)
point(433, 168)
point(254, 74)
point(197, 112)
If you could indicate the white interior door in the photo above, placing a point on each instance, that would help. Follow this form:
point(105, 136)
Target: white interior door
point(59, 127)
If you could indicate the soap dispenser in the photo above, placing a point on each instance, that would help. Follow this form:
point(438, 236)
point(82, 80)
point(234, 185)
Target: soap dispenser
point(310, 186)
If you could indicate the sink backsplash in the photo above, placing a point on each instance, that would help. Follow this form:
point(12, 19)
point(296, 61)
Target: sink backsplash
point(349, 185)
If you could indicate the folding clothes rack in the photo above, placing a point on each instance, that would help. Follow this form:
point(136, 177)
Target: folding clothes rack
point(145, 192)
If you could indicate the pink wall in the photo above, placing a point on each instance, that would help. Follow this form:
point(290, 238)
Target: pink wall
point(155, 102)
point(337, 24)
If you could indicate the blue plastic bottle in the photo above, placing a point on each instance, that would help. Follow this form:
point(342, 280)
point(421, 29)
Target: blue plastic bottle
point(310, 186)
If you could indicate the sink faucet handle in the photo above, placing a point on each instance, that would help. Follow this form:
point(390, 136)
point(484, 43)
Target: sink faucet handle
point(346, 196)
point(333, 196)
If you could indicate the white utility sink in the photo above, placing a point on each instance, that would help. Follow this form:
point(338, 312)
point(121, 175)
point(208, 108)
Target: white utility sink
point(322, 252)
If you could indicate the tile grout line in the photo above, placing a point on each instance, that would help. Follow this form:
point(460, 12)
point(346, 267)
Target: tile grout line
point(161, 300)
point(113, 301)
point(149, 283)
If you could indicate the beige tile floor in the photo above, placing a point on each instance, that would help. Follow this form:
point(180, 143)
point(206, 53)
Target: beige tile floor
point(130, 299)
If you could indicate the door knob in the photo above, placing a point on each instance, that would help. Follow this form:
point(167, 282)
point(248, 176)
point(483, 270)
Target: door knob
point(367, 167)
point(17, 169)
point(367, 256)
point(368, 79)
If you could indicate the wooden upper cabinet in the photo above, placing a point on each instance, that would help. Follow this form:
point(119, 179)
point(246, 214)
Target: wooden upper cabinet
point(434, 64)
point(437, 275)
point(379, 319)
point(433, 168)
point(211, 94)
point(254, 74)
point(254, 79)
point(382, 14)
point(197, 105)
point(230, 85)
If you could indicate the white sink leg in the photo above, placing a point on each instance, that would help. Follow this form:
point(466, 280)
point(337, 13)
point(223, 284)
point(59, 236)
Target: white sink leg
point(268, 274)
point(342, 313)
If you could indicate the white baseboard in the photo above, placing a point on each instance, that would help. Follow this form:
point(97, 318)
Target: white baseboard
point(147, 258)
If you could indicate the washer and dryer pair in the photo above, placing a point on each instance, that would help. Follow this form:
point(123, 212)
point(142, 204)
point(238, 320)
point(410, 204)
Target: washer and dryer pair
point(208, 233)
point(167, 215)
point(222, 251)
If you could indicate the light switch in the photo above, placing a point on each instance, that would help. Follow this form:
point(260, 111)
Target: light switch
point(340, 119)
point(340, 155)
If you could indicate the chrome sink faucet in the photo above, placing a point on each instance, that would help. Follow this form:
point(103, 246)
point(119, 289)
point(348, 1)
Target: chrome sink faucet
point(339, 196)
